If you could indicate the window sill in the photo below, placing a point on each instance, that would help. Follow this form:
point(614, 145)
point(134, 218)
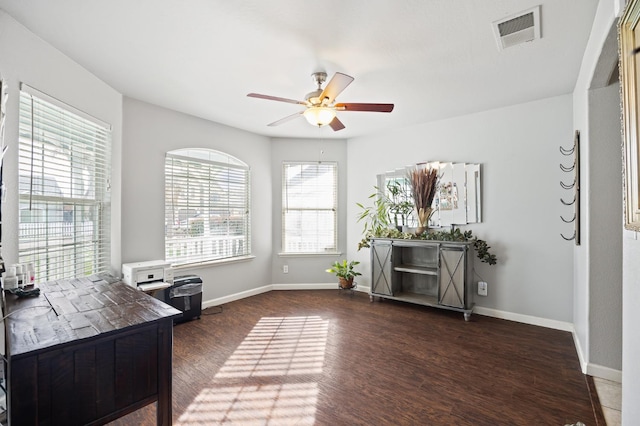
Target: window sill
point(332, 253)
point(212, 263)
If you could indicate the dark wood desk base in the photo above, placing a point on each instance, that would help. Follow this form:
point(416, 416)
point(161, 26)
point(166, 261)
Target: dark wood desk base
point(101, 351)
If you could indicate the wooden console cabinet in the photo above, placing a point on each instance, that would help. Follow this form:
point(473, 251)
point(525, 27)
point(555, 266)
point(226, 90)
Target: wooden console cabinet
point(431, 273)
point(87, 351)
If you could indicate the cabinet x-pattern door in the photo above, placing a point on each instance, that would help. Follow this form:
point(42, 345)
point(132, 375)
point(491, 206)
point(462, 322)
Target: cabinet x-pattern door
point(452, 277)
point(381, 268)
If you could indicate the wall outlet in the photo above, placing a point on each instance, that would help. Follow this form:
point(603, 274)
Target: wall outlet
point(482, 288)
point(285, 269)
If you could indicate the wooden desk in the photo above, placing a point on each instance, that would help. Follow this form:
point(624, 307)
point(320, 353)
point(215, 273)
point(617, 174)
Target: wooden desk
point(87, 351)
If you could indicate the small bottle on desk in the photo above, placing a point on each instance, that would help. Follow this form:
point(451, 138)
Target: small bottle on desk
point(9, 279)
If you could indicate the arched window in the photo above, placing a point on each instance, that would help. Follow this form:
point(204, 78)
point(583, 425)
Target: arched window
point(206, 206)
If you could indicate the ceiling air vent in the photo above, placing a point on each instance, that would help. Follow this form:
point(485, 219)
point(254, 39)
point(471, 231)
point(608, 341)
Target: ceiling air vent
point(518, 29)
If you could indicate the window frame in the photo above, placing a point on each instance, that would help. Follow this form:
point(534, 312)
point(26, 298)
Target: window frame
point(628, 35)
point(70, 181)
point(284, 250)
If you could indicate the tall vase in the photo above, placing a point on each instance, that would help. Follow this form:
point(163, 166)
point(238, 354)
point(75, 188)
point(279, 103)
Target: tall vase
point(423, 220)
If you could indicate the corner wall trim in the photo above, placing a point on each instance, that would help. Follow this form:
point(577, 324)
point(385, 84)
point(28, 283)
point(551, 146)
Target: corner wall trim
point(581, 358)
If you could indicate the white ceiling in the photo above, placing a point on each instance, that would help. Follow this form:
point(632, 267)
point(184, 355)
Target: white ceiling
point(433, 58)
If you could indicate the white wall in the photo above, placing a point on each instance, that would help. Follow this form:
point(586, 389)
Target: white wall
point(306, 269)
point(149, 132)
point(630, 308)
point(598, 278)
point(518, 148)
point(605, 232)
point(26, 58)
point(605, 21)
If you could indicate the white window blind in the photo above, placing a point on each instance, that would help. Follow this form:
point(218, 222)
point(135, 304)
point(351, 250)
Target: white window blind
point(64, 171)
point(206, 207)
point(309, 207)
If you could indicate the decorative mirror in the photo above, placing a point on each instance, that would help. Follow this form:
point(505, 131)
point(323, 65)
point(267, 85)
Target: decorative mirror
point(457, 200)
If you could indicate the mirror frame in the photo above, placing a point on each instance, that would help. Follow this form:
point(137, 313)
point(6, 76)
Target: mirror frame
point(628, 41)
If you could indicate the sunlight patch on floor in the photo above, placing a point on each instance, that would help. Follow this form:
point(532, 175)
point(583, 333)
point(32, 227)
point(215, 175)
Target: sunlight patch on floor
point(260, 405)
point(265, 380)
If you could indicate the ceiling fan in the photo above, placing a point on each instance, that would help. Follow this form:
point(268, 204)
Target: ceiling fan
point(320, 104)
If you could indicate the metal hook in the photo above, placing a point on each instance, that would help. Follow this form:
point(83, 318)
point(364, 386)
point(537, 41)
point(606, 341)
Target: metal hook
point(570, 220)
point(567, 151)
point(569, 203)
point(573, 237)
point(565, 186)
point(568, 169)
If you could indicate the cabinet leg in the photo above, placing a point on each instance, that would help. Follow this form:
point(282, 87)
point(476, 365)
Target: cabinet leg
point(371, 298)
point(467, 316)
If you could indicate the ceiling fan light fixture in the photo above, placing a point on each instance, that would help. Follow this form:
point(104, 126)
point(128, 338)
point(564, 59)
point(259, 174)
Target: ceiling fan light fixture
point(319, 115)
point(321, 106)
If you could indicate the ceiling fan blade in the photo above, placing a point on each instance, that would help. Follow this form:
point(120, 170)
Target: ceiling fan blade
point(336, 124)
point(365, 107)
point(287, 118)
point(275, 98)
point(338, 83)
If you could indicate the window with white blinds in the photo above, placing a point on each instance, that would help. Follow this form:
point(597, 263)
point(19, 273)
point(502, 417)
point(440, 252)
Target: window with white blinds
point(64, 171)
point(206, 207)
point(309, 207)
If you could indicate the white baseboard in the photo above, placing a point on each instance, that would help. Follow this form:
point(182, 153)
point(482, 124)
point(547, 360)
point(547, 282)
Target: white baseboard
point(526, 319)
point(237, 296)
point(602, 372)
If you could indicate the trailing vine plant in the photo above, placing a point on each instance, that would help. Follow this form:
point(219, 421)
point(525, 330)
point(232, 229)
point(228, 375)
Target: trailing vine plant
point(455, 234)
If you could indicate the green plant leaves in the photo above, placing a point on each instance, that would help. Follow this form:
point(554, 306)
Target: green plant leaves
point(344, 269)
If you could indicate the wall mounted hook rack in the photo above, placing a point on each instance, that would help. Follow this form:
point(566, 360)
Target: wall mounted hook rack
point(575, 186)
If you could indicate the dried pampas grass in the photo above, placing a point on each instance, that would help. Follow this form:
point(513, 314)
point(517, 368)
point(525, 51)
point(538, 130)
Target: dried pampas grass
point(423, 188)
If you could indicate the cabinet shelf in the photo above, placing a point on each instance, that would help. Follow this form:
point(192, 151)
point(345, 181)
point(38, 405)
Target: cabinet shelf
point(416, 269)
point(417, 298)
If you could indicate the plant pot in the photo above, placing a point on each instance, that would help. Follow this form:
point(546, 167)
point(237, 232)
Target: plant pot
point(344, 283)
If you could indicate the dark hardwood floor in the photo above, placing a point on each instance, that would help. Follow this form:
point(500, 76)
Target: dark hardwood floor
point(333, 358)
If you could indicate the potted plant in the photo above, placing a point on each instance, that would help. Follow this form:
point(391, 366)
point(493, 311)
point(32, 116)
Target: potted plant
point(375, 218)
point(345, 272)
